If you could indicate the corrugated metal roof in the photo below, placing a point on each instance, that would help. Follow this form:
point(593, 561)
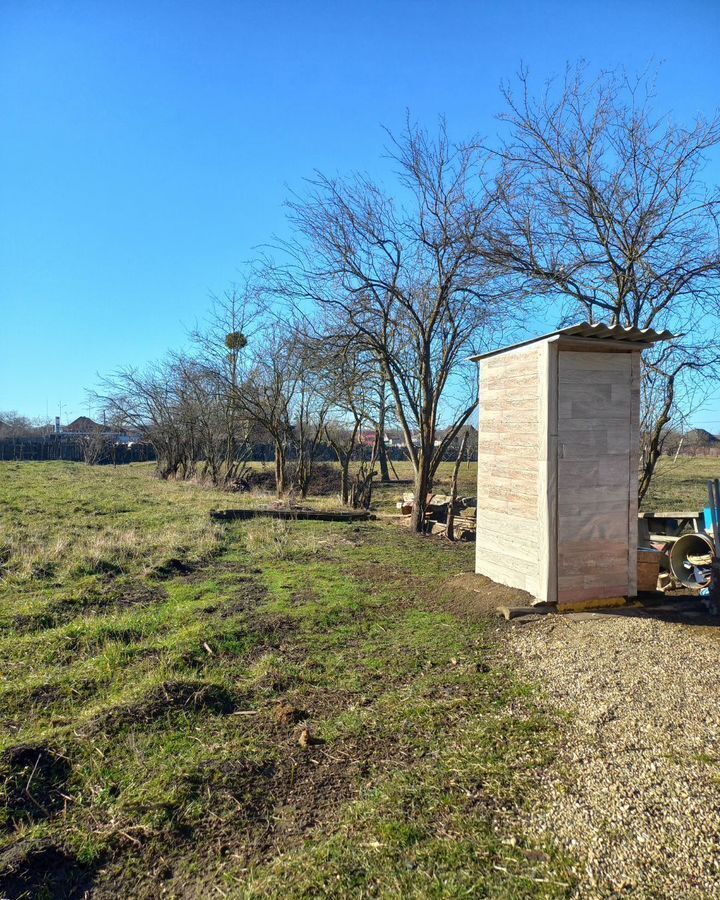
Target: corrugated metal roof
point(598, 331)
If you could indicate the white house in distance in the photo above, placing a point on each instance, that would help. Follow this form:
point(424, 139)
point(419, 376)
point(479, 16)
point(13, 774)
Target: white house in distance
point(558, 453)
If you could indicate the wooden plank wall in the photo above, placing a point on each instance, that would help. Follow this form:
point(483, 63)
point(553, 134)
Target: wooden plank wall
point(548, 475)
point(635, 362)
point(510, 447)
point(597, 475)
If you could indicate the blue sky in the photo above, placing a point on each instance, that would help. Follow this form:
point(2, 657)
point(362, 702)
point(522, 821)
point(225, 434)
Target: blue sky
point(146, 147)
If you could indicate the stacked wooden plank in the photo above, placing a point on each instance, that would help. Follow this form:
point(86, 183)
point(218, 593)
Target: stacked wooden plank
point(436, 514)
point(648, 568)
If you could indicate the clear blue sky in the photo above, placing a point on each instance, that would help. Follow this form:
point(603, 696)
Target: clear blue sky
point(146, 147)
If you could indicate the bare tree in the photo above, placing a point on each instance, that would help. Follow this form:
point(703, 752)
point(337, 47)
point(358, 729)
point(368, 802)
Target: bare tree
point(345, 383)
point(309, 415)
point(218, 434)
point(405, 281)
point(13, 424)
point(265, 368)
point(145, 400)
point(237, 318)
point(267, 396)
point(605, 213)
point(379, 410)
point(95, 445)
point(225, 346)
point(674, 384)
point(179, 406)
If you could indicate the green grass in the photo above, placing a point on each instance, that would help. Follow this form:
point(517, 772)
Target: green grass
point(158, 669)
point(681, 484)
point(147, 656)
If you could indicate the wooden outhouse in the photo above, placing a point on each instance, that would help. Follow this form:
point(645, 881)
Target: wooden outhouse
point(558, 453)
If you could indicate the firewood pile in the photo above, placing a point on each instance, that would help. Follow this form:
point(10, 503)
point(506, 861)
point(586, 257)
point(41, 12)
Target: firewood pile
point(436, 514)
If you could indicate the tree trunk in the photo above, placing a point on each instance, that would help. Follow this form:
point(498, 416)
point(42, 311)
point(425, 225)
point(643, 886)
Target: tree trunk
point(305, 484)
point(279, 469)
point(345, 480)
point(380, 434)
point(652, 441)
point(382, 455)
point(450, 530)
point(423, 486)
point(651, 452)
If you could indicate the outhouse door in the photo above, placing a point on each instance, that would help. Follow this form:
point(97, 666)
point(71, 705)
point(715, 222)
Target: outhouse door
point(594, 435)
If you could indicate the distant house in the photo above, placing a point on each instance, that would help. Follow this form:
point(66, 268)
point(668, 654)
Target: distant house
point(696, 442)
point(393, 438)
point(699, 437)
point(455, 444)
point(85, 425)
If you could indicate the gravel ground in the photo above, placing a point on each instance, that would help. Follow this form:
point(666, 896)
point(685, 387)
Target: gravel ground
point(635, 793)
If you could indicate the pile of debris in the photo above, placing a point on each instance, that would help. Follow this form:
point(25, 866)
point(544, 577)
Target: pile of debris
point(436, 514)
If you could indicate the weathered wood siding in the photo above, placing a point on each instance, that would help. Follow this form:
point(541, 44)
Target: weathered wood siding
point(598, 404)
point(511, 441)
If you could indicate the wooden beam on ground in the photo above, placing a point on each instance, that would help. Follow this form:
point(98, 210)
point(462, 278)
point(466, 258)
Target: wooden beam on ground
point(513, 612)
point(318, 515)
point(583, 605)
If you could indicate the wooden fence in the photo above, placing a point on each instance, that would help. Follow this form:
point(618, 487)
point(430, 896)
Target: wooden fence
point(60, 447)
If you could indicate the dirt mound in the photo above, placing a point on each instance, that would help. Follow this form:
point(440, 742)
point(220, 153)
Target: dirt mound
point(32, 782)
point(40, 869)
point(262, 806)
point(44, 699)
point(325, 480)
point(288, 714)
point(172, 567)
point(27, 623)
point(471, 596)
point(125, 593)
point(274, 628)
point(272, 804)
point(245, 783)
point(260, 480)
point(168, 697)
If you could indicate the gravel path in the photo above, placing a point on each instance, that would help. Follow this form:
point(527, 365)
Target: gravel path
point(635, 792)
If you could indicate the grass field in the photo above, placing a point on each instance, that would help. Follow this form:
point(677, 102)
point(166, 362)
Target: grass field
point(681, 484)
point(158, 676)
point(261, 709)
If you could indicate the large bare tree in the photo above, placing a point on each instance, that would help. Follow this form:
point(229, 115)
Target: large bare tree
point(403, 276)
point(606, 215)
